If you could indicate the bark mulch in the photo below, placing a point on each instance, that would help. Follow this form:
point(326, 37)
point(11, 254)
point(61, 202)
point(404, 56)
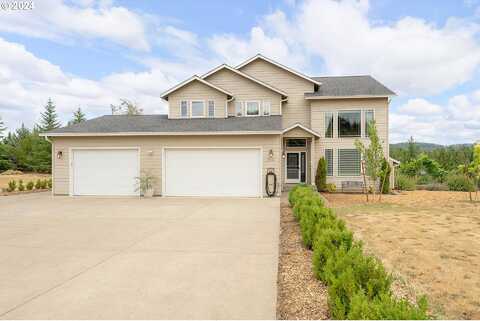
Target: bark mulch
point(300, 295)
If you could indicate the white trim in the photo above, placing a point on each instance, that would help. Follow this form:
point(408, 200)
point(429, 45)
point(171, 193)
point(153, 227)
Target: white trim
point(164, 167)
point(347, 97)
point(259, 103)
point(294, 181)
point(264, 84)
point(184, 133)
point(259, 56)
point(314, 133)
point(191, 108)
point(70, 161)
point(165, 94)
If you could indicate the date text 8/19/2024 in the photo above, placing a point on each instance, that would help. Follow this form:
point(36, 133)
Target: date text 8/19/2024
point(16, 5)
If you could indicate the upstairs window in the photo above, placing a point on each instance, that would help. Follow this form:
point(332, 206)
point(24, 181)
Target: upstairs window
point(238, 109)
point(184, 108)
point(211, 108)
point(349, 123)
point(369, 118)
point(198, 108)
point(328, 124)
point(252, 108)
point(266, 108)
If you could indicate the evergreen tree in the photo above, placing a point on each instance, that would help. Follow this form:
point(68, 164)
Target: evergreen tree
point(78, 117)
point(49, 118)
point(2, 127)
point(412, 151)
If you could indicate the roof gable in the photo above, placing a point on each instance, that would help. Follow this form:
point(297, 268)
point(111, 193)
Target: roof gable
point(238, 72)
point(299, 74)
point(189, 80)
point(300, 126)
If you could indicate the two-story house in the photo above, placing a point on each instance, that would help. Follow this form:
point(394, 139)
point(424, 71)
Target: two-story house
point(224, 131)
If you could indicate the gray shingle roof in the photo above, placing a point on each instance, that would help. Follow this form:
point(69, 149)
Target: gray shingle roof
point(350, 86)
point(160, 123)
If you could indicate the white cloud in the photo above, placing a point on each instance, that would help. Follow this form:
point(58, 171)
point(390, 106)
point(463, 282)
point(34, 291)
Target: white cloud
point(458, 121)
point(54, 20)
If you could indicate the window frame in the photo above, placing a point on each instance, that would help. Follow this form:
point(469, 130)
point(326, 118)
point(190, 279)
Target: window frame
point(240, 103)
point(259, 104)
point(191, 108)
point(266, 105)
point(329, 164)
point(298, 140)
point(365, 134)
point(325, 123)
point(338, 123)
point(212, 115)
point(339, 173)
point(187, 104)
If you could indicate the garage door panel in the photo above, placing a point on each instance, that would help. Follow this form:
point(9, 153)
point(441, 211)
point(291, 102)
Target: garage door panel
point(212, 172)
point(105, 172)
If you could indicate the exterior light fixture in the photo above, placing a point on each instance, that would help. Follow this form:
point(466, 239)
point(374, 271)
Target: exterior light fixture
point(59, 154)
point(283, 155)
point(150, 152)
point(270, 153)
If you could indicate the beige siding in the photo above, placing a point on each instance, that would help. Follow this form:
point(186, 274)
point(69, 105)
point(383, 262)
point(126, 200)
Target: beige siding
point(244, 89)
point(296, 109)
point(197, 91)
point(155, 144)
point(318, 109)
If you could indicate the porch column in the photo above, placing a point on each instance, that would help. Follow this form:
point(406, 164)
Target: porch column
point(313, 160)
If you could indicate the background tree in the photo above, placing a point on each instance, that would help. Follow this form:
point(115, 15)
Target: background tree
point(321, 175)
point(2, 127)
point(78, 117)
point(412, 149)
point(372, 155)
point(49, 118)
point(126, 107)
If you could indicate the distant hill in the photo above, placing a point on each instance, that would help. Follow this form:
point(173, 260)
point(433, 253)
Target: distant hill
point(426, 146)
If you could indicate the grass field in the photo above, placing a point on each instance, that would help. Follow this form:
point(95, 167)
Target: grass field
point(4, 179)
point(429, 239)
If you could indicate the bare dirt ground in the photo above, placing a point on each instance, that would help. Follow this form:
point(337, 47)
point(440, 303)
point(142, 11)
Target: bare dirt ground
point(300, 294)
point(26, 177)
point(431, 240)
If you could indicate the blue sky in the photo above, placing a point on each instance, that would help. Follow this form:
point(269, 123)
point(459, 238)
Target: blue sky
point(89, 54)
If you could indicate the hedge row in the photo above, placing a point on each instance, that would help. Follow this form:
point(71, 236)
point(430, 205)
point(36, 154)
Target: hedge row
point(358, 285)
point(21, 186)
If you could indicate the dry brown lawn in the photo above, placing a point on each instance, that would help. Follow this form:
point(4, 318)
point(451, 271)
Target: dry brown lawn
point(26, 177)
point(429, 239)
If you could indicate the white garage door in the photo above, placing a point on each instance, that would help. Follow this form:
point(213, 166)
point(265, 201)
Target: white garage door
point(213, 172)
point(104, 171)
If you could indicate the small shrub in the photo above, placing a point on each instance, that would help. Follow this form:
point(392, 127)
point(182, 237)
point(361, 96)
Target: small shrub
point(331, 188)
point(12, 186)
point(38, 184)
point(43, 184)
point(385, 307)
point(30, 185)
point(49, 183)
point(321, 175)
point(385, 177)
point(303, 204)
point(405, 183)
point(309, 220)
point(460, 183)
point(298, 192)
point(21, 187)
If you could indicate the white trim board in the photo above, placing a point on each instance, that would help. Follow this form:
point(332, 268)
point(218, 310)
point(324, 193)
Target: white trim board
point(165, 94)
point(308, 130)
point(347, 97)
point(259, 56)
point(184, 133)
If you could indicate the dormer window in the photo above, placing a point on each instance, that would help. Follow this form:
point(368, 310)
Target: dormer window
point(252, 108)
point(184, 109)
point(238, 109)
point(198, 108)
point(211, 108)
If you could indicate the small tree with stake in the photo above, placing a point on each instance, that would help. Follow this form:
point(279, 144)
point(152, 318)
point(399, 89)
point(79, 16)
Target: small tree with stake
point(372, 155)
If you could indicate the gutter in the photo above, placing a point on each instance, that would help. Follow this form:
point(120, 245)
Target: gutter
point(197, 133)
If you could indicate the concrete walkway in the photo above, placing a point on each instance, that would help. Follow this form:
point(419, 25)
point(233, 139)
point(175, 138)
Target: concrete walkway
point(131, 258)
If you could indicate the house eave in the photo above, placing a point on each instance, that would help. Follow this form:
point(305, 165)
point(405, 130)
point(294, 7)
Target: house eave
point(197, 133)
point(347, 97)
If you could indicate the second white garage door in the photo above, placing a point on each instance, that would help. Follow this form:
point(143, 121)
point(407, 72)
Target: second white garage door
point(212, 172)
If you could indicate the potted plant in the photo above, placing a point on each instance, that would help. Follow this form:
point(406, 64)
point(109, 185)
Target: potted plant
point(145, 184)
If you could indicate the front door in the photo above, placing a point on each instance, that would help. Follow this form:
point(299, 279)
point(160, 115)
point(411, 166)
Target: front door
point(292, 169)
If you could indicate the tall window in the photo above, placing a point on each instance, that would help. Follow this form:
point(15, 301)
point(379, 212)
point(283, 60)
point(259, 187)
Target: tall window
point(211, 108)
point(348, 162)
point(252, 108)
point(329, 159)
point(328, 124)
point(266, 108)
point(368, 120)
point(349, 123)
point(198, 108)
point(238, 109)
point(184, 108)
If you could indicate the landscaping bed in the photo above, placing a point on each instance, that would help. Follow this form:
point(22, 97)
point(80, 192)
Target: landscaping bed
point(430, 239)
point(300, 294)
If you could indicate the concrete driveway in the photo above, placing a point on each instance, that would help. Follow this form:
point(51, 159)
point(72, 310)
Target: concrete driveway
point(131, 258)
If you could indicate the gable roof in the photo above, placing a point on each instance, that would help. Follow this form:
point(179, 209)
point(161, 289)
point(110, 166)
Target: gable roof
point(298, 125)
point(241, 73)
point(347, 86)
point(123, 125)
point(259, 56)
point(189, 80)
